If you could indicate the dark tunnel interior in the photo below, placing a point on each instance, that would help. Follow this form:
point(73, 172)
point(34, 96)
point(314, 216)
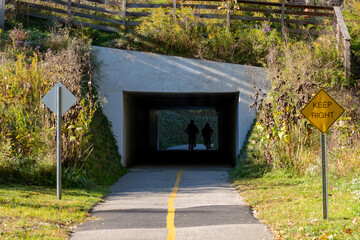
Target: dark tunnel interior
point(141, 128)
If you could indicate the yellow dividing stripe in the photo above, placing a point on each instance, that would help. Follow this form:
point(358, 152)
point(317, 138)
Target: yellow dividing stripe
point(171, 210)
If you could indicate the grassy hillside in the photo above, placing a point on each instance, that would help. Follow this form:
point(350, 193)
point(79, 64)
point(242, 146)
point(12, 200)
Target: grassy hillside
point(31, 62)
point(281, 138)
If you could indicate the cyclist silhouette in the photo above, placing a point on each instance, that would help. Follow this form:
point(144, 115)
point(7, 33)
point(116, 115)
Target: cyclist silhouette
point(206, 132)
point(192, 130)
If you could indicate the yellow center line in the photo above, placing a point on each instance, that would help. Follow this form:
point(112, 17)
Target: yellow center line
point(171, 210)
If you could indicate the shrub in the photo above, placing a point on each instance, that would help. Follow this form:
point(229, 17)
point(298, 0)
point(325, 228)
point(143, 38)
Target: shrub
point(185, 34)
point(177, 32)
point(242, 46)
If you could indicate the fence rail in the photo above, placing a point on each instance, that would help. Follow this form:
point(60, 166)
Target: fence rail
point(116, 14)
point(113, 15)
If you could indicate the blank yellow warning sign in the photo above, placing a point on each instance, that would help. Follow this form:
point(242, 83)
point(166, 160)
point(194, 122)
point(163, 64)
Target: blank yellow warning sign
point(322, 111)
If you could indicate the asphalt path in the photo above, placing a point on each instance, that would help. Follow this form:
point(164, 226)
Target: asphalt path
point(185, 147)
point(205, 203)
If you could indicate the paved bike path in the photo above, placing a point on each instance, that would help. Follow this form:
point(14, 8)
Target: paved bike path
point(185, 147)
point(206, 207)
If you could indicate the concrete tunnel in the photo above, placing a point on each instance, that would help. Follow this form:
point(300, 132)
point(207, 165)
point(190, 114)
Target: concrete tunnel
point(138, 85)
point(142, 130)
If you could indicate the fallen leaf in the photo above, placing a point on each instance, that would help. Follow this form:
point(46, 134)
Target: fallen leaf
point(348, 231)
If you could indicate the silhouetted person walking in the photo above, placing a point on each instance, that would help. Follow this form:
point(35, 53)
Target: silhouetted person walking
point(206, 132)
point(192, 130)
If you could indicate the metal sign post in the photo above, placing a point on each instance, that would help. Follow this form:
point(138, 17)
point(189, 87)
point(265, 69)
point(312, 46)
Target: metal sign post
point(322, 111)
point(324, 175)
point(58, 142)
point(59, 100)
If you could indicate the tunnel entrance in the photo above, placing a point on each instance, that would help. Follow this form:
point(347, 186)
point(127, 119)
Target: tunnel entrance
point(142, 129)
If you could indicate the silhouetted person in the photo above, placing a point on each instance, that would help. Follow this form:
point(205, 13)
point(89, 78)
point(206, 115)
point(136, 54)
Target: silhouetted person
point(192, 130)
point(206, 132)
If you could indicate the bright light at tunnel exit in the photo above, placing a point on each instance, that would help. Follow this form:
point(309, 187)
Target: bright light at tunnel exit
point(173, 124)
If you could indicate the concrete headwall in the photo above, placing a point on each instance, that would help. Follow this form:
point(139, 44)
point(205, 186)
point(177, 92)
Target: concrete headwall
point(123, 71)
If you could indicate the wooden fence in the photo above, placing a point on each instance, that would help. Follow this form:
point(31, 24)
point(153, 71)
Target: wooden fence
point(115, 14)
point(112, 15)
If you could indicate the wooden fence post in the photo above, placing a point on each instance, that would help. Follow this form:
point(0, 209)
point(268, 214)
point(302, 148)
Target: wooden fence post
point(69, 14)
point(174, 7)
point(344, 38)
point(124, 14)
point(282, 20)
point(14, 10)
point(347, 58)
point(2, 14)
point(228, 17)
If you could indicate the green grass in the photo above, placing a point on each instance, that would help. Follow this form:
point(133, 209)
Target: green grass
point(292, 206)
point(29, 212)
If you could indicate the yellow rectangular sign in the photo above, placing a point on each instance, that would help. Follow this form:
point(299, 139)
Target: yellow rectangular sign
point(322, 111)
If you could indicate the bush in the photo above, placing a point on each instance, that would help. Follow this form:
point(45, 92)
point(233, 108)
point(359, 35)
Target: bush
point(243, 46)
point(185, 34)
point(178, 32)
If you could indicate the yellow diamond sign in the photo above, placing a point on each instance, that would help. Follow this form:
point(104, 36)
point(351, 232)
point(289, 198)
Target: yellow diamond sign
point(322, 111)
